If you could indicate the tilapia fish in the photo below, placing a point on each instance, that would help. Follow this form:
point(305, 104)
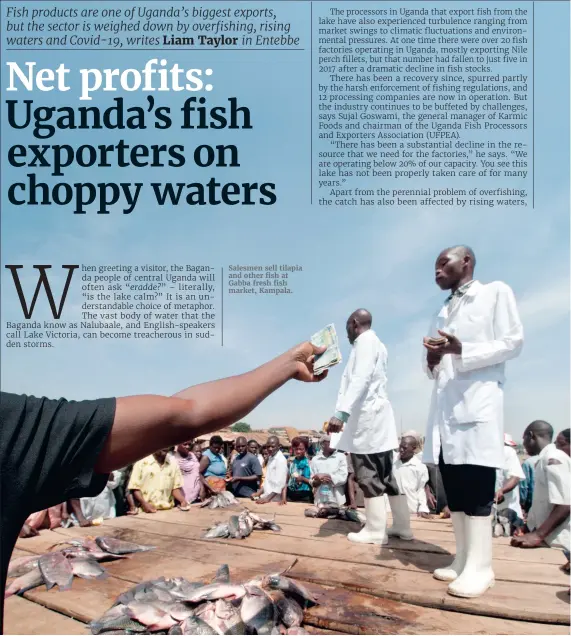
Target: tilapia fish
point(56, 570)
point(228, 618)
point(195, 625)
point(290, 611)
point(245, 524)
point(155, 591)
point(118, 546)
point(87, 544)
point(86, 567)
point(22, 565)
point(291, 587)
point(215, 591)
point(23, 583)
point(114, 619)
point(258, 612)
point(219, 531)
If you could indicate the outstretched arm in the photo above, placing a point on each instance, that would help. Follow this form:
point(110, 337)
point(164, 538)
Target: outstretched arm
point(145, 423)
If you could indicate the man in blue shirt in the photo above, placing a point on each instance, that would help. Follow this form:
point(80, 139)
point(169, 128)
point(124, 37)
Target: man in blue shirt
point(246, 471)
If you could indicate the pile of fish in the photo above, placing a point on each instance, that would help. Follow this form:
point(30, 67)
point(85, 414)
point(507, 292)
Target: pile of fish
point(345, 514)
point(221, 500)
point(241, 526)
point(80, 559)
point(272, 604)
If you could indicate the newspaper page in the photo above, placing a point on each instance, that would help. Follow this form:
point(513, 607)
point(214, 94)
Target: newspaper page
point(196, 199)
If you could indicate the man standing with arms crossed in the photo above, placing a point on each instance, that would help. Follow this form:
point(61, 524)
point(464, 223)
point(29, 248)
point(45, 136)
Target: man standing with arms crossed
point(365, 414)
point(477, 330)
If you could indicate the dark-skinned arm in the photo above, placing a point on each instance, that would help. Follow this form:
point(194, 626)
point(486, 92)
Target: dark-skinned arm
point(76, 509)
point(248, 478)
point(179, 496)
point(536, 539)
point(145, 505)
point(144, 423)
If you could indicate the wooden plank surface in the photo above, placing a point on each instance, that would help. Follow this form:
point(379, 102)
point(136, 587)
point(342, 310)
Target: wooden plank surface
point(388, 590)
point(340, 610)
point(533, 602)
point(437, 538)
point(24, 617)
point(395, 558)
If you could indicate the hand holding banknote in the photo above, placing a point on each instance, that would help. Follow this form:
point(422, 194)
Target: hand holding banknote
point(327, 337)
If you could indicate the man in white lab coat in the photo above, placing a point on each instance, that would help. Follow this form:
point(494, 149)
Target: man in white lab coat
point(476, 331)
point(365, 415)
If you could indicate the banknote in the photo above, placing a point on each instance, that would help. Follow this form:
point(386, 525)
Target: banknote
point(327, 337)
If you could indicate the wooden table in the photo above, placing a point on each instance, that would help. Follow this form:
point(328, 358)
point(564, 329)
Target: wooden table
point(362, 589)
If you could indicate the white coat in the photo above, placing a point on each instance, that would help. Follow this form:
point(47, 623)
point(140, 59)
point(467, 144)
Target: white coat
point(467, 406)
point(363, 395)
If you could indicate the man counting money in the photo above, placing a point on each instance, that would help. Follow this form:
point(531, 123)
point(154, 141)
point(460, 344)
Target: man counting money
point(477, 330)
point(365, 414)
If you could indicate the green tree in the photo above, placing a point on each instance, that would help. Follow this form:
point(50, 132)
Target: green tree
point(241, 427)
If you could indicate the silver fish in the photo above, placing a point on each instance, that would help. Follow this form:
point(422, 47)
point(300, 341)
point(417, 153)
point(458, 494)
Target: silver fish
point(118, 546)
point(184, 588)
point(195, 625)
point(222, 574)
point(258, 612)
point(89, 545)
point(114, 619)
point(145, 590)
point(176, 629)
point(291, 587)
point(255, 517)
point(290, 610)
point(215, 591)
point(22, 565)
point(275, 528)
point(86, 567)
point(228, 618)
point(26, 582)
point(56, 570)
point(246, 523)
point(220, 530)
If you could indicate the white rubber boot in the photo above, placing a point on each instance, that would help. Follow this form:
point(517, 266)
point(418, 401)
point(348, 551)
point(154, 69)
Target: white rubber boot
point(401, 518)
point(477, 575)
point(375, 530)
point(454, 570)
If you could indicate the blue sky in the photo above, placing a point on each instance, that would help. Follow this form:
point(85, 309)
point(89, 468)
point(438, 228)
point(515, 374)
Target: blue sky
point(378, 258)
